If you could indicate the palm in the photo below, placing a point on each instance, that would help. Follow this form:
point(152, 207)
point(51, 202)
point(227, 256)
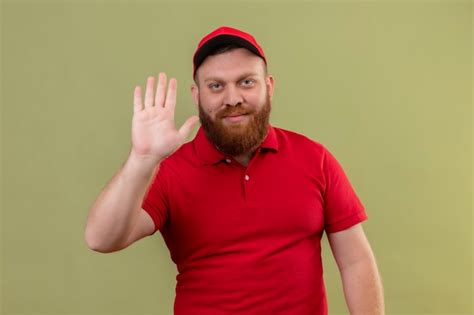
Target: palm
point(154, 134)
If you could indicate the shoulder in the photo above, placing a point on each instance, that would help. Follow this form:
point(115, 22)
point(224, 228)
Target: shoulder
point(298, 142)
point(184, 155)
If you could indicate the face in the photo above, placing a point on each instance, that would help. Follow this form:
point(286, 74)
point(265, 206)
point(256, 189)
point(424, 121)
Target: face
point(233, 96)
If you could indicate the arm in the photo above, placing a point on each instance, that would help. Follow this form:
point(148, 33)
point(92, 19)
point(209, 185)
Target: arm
point(361, 281)
point(115, 219)
point(116, 210)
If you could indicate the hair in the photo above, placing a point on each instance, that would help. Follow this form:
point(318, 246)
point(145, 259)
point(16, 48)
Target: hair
point(223, 49)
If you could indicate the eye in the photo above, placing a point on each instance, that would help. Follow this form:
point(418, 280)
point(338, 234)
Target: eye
point(214, 86)
point(248, 82)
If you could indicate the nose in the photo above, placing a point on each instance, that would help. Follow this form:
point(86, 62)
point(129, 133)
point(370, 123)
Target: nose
point(232, 96)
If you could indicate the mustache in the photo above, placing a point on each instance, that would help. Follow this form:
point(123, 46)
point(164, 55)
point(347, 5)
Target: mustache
point(238, 110)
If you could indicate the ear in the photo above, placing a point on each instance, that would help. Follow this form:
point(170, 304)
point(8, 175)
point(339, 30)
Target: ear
point(270, 82)
point(195, 94)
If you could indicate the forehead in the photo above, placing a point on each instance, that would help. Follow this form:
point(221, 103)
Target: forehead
point(230, 65)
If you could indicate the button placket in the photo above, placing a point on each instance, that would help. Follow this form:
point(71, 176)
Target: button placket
point(248, 179)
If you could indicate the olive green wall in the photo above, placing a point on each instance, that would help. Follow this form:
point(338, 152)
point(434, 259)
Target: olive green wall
point(385, 85)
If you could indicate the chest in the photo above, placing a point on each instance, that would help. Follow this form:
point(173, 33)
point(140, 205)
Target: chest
point(235, 207)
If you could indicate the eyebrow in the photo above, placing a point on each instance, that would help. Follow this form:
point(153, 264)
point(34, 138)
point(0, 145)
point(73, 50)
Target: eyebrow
point(247, 74)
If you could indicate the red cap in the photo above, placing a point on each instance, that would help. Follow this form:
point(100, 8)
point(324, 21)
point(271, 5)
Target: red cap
point(225, 35)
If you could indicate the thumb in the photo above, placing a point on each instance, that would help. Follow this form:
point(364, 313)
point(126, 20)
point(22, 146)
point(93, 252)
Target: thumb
point(188, 125)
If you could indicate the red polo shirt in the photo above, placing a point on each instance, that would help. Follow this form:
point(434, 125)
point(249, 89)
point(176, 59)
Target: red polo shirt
point(246, 239)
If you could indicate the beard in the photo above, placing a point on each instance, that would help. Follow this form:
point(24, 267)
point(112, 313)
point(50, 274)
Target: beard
point(237, 138)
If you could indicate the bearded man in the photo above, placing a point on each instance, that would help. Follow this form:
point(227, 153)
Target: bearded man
point(243, 206)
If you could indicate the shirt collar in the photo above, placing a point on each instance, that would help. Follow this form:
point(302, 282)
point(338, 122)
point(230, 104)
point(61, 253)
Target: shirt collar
point(209, 154)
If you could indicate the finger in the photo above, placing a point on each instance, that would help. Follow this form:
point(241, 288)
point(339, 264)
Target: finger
point(160, 90)
point(170, 102)
point(137, 100)
point(149, 92)
point(188, 126)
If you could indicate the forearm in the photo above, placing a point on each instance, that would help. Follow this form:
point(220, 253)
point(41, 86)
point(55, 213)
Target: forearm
point(363, 288)
point(115, 210)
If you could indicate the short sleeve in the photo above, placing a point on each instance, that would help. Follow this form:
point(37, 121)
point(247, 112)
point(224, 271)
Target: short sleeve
point(343, 207)
point(155, 202)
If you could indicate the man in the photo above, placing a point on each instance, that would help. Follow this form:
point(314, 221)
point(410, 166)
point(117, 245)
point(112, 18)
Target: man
point(242, 207)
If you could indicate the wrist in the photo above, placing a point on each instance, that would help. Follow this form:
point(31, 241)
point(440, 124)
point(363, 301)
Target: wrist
point(144, 163)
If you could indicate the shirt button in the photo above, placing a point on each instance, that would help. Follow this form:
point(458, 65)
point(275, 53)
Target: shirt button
point(227, 160)
point(247, 177)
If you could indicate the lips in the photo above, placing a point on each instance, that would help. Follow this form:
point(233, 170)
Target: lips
point(234, 118)
point(235, 115)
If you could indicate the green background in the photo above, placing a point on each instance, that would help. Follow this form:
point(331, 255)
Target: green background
point(385, 85)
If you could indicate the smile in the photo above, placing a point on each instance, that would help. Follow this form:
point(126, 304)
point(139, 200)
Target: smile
point(235, 118)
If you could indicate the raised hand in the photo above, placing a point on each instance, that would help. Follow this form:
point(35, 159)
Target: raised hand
point(154, 135)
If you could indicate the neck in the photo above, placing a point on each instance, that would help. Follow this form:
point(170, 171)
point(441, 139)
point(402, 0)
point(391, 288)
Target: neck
point(243, 158)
